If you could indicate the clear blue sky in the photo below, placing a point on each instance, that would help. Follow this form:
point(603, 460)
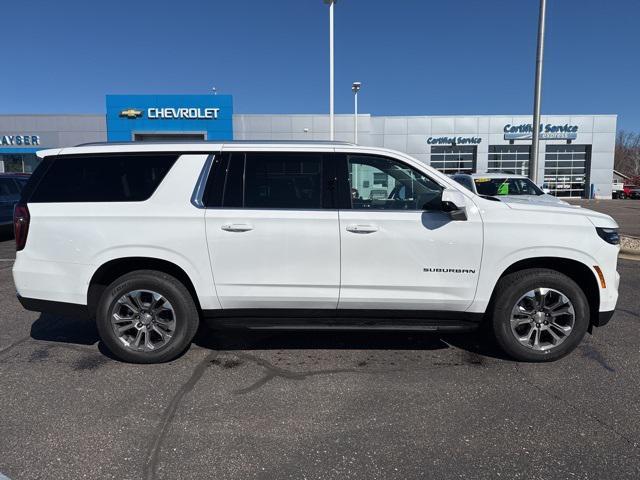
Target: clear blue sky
point(413, 56)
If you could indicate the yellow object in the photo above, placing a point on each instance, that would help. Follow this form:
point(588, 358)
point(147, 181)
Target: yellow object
point(603, 283)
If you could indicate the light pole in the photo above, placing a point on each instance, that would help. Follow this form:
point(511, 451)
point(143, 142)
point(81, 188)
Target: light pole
point(331, 113)
point(356, 88)
point(537, 96)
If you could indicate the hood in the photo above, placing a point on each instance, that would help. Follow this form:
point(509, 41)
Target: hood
point(545, 199)
point(598, 219)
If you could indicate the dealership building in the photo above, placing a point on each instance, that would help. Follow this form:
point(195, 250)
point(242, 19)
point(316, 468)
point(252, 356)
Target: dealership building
point(576, 151)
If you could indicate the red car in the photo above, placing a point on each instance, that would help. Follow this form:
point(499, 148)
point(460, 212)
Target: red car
point(631, 191)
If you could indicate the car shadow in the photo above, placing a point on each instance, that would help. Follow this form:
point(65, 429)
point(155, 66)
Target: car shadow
point(55, 328)
point(78, 331)
point(477, 342)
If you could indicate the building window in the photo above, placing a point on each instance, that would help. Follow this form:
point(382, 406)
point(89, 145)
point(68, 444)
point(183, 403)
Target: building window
point(19, 162)
point(454, 159)
point(566, 170)
point(509, 159)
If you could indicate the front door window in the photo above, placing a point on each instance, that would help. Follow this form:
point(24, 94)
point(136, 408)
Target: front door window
point(379, 183)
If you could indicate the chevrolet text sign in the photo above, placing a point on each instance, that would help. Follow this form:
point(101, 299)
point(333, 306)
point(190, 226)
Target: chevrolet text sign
point(184, 112)
point(132, 117)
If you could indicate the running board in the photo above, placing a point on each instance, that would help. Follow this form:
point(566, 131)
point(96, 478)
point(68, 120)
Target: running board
point(402, 320)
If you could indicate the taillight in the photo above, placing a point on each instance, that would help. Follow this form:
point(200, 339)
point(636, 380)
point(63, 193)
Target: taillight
point(21, 219)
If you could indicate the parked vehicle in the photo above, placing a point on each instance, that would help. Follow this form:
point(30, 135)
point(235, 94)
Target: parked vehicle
point(626, 190)
point(632, 192)
point(505, 186)
point(11, 184)
point(150, 239)
point(617, 190)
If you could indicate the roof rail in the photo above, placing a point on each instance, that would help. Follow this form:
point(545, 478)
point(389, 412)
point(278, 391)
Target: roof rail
point(216, 142)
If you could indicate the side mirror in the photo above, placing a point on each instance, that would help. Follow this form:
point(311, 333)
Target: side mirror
point(546, 190)
point(454, 203)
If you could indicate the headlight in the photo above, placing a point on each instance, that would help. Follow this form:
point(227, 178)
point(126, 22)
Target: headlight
point(609, 235)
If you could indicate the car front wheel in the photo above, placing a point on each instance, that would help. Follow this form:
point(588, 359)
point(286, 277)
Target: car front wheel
point(539, 315)
point(147, 317)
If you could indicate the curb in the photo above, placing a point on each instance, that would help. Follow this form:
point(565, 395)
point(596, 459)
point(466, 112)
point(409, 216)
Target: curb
point(630, 246)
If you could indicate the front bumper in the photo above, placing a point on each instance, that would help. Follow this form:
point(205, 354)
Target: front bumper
point(603, 318)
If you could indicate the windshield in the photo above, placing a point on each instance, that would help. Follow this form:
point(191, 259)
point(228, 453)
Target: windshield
point(506, 186)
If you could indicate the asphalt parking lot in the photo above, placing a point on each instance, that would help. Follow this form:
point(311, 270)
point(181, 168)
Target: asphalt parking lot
point(315, 405)
point(626, 212)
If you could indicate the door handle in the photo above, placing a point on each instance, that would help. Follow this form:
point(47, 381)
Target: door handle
point(362, 228)
point(237, 227)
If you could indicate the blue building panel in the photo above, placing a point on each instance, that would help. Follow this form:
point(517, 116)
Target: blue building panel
point(127, 115)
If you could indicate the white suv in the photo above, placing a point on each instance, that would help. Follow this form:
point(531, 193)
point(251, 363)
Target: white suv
point(150, 238)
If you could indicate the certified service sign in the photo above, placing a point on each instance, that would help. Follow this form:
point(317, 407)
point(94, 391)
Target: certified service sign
point(547, 132)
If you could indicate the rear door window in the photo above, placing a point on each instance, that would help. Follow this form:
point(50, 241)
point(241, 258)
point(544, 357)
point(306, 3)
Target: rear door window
point(271, 180)
point(102, 178)
point(283, 180)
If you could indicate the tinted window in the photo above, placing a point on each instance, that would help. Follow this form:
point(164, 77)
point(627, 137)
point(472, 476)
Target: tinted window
point(384, 184)
point(225, 183)
point(283, 180)
point(233, 196)
point(8, 187)
point(215, 181)
point(102, 178)
point(21, 182)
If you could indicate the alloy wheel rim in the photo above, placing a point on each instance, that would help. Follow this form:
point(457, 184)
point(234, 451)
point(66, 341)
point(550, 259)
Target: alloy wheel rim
point(143, 320)
point(542, 319)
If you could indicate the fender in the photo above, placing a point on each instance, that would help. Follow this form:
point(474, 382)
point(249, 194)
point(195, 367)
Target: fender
point(489, 276)
point(200, 276)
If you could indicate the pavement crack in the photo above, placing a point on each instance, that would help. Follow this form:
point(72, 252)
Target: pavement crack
point(579, 410)
point(271, 372)
point(592, 353)
point(628, 312)
point(150, 468)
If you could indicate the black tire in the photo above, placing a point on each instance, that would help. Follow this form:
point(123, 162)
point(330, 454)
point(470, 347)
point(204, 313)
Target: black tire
point(186, 315)
point(512, 287)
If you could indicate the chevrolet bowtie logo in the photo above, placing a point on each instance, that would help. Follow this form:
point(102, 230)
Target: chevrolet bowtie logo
point(131, 113)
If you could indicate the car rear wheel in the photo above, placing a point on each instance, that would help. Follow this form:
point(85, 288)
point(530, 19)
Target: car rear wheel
point(147, 317)
point(539, 315)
